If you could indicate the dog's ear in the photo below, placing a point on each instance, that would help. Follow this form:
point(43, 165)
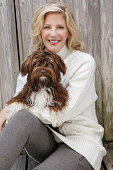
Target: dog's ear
point(25, 65)
point(58, 60)
point(61, 64)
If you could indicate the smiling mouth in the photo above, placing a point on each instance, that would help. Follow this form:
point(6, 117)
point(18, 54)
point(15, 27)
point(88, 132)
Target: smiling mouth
point(53, 42)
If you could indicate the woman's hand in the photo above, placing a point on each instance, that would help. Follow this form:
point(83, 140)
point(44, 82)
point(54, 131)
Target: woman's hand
point(2, 119)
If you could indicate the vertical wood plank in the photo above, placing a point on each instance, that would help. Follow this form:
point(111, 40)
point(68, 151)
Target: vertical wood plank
point(25, 11)
point(8, 50)
point(106, 14)
point(0, 96)
point(108, 160)
point(68, 3)
point(26, 14)
point(19, 30)
point(80, 12)
point(102, 168)
point(94, 48)
point(52, 1)
point(37, 4)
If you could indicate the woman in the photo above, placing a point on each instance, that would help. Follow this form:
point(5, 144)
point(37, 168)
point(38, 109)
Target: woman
point(77, 143)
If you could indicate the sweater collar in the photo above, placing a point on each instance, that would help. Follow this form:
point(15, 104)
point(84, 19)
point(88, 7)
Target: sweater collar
point(64, 52)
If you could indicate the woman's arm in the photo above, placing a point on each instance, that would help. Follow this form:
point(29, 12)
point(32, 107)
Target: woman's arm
point(81, 94)
point(21, 80)
point(2, 118)
point(8, 112)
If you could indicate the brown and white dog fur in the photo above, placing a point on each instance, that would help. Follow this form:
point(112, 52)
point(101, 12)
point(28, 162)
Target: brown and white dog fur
point(43, 91)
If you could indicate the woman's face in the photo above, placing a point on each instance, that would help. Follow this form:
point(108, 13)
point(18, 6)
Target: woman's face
point(55, 32)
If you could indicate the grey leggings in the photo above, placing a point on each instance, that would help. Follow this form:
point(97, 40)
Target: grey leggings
point(25, 130)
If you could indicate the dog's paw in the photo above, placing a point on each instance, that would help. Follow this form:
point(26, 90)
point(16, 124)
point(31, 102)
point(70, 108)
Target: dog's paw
point(11, 109)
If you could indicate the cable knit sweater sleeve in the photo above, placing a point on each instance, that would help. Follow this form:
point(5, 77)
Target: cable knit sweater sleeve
point(21, 80)
point(79, 81)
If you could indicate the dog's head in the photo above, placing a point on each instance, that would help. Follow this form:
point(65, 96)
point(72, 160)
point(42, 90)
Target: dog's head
point(43, 68)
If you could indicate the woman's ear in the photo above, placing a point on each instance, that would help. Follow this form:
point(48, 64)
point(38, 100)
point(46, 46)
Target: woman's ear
point(25, 66)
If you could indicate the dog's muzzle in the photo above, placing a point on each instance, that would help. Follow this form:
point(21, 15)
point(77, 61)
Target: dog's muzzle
point(42, 77)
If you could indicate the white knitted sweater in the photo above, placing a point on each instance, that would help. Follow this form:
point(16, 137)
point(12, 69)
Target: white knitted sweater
point(78, 123)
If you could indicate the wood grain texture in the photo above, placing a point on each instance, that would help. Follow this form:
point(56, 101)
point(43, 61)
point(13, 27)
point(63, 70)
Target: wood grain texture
point(8, 51)
point(26, 14)
point(102, 168)
point(108, 160)
point(37, 4)
point(106, 16)
point(19, 31)
point(0, 96)
point(87, 17)
point(95, 23)
point(94, 48)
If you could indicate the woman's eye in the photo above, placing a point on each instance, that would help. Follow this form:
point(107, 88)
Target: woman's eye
point(61, 27)
point(46, 27)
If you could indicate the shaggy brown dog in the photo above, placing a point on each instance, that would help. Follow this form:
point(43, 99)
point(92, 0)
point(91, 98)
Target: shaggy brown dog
point(43, 70)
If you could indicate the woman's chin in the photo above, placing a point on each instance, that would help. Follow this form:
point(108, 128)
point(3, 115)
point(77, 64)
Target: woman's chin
point(55, 48)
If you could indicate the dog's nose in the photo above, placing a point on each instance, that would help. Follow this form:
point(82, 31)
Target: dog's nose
point(42, 71)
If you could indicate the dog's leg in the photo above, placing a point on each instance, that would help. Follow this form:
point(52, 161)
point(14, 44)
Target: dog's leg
point(60, 98)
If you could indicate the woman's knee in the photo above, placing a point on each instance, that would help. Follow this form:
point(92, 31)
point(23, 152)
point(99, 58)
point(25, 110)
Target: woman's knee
point(18, 124)
point(22, 116)
point(27, 120)
point(23, 119)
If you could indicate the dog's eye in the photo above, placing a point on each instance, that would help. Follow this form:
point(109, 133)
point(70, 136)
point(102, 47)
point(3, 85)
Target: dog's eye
point(46, 65)
point(52, 66)
point(34, 64)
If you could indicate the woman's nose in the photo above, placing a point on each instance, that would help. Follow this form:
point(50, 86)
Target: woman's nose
point(53, 32)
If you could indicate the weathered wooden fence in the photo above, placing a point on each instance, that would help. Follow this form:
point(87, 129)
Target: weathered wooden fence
point(95, 22)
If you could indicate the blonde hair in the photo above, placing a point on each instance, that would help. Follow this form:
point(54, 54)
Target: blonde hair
point(73, 42)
